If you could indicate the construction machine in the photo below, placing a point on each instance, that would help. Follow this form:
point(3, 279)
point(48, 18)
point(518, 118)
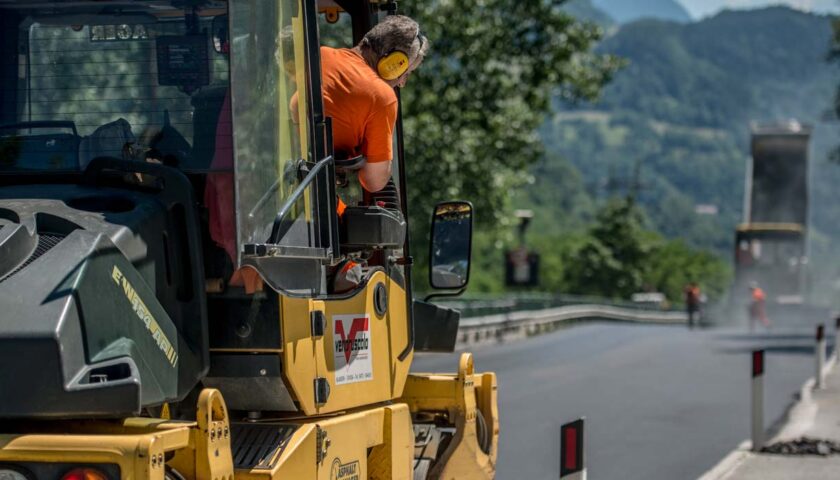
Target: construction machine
point(770, 246)
point(169, 247)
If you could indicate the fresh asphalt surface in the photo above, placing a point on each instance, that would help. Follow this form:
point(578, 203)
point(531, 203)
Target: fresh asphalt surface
point(661, 402)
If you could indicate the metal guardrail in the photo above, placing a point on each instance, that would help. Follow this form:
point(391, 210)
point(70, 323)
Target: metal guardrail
point(532, 322)
point(479, 305)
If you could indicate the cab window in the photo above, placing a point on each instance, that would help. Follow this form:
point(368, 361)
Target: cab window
point(109, 85)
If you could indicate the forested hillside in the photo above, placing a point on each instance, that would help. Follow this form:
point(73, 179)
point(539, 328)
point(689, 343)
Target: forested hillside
point(673, 126)
point(585, 10)
point(629, 10)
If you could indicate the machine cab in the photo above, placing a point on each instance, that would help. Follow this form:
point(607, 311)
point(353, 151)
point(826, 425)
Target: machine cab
point(171, 151)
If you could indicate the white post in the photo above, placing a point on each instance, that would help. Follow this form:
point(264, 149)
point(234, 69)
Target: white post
point(820, 355)
point(757, 394)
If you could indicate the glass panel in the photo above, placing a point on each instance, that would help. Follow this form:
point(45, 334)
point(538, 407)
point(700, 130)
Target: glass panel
point(105, 75)
point(269, 112)
point(451, 242)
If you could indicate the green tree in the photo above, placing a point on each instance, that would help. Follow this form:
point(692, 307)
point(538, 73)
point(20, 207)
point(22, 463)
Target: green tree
point(674, 264)
point(613, 259)
point(619, 257)
point(471, 111)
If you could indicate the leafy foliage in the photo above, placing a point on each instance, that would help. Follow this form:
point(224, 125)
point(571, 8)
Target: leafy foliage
point(613, 258)
point(620, 257)
point(472, 109)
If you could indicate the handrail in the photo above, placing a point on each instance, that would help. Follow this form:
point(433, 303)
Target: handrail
point(295, 196)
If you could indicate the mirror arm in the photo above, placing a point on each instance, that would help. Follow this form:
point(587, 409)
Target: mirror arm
point(294, 197)
point(445, 294)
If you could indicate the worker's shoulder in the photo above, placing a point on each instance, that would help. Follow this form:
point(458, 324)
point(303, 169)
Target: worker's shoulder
point(355, 75)
point(383, 92)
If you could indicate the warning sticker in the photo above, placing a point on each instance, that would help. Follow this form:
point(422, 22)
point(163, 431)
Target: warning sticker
point(351, 348)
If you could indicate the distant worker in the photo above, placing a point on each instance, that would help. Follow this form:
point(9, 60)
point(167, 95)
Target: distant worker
point(758, 307)
point(692, 303)
point(358, 87)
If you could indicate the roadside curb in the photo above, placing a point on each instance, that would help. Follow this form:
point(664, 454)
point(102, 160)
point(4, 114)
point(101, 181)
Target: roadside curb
point(798, 417)
point(729, 463)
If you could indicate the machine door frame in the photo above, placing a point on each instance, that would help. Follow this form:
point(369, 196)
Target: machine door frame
point(291, 269)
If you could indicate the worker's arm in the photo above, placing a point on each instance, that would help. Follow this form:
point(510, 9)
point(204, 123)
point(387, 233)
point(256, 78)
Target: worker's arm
point(377, 145)
point(374, 176)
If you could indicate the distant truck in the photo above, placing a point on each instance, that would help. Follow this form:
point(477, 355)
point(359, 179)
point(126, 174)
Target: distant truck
point(770, 246)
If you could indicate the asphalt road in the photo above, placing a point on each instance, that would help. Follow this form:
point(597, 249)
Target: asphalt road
point(661, 402)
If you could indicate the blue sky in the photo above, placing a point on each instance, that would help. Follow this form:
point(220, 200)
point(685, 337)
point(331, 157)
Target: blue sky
point(702, 8)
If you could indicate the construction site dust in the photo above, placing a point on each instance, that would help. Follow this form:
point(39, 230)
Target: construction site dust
point(783, 249)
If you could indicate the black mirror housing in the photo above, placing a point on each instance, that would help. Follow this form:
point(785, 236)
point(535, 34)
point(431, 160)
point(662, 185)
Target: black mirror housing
point(450, 246)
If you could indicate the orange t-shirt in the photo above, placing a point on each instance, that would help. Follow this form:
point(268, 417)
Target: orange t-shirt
point(362, 106)
point(758, 295)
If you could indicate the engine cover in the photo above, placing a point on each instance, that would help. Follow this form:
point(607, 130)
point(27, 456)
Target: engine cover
point(83, 332)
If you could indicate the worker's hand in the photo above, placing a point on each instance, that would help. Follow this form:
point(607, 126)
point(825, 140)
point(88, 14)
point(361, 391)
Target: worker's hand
point(374, 176)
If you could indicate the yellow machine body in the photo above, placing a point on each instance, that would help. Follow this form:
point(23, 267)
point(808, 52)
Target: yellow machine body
point(376, 442)
point(306, 357)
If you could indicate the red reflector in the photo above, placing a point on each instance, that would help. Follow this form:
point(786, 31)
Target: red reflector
point(757, 363)
point(84, 474)
point(571, 448)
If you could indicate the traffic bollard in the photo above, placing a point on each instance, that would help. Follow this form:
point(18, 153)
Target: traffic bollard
point(836, 339)
point(571, 451)
point(820, 355)
point(757, 395)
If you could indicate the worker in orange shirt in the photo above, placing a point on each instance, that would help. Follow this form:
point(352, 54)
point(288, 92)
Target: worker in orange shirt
point(758, 308)
point(358, 89)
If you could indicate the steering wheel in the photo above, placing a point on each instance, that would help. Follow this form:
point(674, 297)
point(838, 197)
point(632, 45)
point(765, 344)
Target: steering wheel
point(350, 164)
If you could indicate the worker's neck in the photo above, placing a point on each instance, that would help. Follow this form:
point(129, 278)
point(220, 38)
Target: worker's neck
point(367, 55)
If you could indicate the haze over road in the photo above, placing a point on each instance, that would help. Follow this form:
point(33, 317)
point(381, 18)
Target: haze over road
point(661, 402)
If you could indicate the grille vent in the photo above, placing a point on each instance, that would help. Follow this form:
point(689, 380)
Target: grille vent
point(258, 446)
point(46, 241)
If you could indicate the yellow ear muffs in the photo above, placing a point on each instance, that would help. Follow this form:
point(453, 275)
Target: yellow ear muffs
point(393, 65)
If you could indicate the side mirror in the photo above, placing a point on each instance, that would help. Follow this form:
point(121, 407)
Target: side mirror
point(451, 245)
point(219, 30)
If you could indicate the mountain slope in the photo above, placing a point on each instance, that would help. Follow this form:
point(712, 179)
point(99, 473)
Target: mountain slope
point(677, 118)
point(724, 70)
point(629, 10)
point(585, 10)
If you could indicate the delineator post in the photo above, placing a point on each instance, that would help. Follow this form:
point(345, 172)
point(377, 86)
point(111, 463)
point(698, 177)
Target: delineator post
point(836, 338)
point(572, 465)
point(819, 354)
point(757, 396)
